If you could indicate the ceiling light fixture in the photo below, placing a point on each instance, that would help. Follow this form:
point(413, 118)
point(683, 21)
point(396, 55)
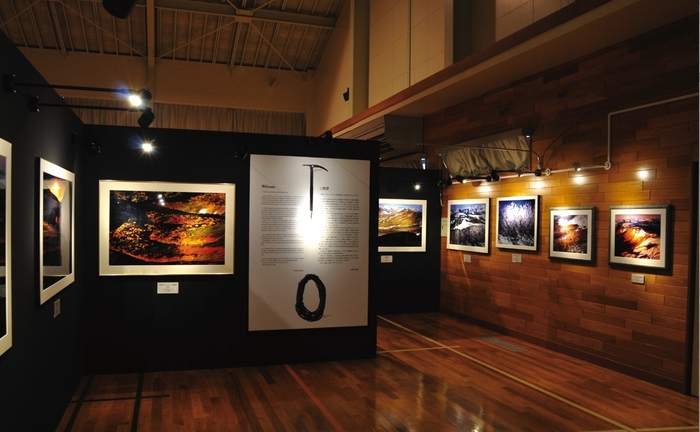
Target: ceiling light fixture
point(577, 166)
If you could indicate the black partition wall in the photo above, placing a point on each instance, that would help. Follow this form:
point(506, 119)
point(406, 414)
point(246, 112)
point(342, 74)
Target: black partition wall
point(131, 328)
point(41, 370)
point(410, 282)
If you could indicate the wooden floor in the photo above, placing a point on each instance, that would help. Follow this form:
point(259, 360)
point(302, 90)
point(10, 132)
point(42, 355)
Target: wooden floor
point(432, 373)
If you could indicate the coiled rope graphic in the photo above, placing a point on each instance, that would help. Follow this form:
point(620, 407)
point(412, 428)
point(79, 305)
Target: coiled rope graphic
point(301, 308)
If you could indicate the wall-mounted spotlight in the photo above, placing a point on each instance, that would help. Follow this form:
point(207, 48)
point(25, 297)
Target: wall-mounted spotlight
point(346, 95)
point(146, 118)
point(416, 186)
point(147, 146)
point(527, 133)
point(577, 166)
point(445, 183)
point(495, 176)
point(138, 98)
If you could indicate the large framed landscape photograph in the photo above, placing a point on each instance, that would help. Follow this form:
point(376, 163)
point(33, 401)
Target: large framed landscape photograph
point(640, 236)
point(5, 249)
point(572, 233)
point(469, 225)
point(402, 225)
point(56, 228)
point(158, 228)
point(517, 222)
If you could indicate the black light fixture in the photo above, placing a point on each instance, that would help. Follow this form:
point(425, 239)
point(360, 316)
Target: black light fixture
point(138, 98)
point(445, 183)
point(577, 166)
point(346, 95)
point(119, 8)
point(527, 133)
point(146, 118)
point(495, 176)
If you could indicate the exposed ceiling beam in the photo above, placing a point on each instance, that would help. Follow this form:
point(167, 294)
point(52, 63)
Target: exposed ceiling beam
point(257, 14)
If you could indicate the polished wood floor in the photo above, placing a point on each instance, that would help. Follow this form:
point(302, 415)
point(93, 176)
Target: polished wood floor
point(432, 373)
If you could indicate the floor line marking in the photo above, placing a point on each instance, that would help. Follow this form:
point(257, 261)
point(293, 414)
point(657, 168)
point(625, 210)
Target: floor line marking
point(315, 400)
point(74, 415)
point(122, 398)
point(414, 349)
point(137, 404)
point(519, 380)
point(659, 429)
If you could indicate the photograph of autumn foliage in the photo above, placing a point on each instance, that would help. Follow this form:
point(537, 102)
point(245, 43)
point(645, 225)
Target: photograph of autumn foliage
point(400, 224)
point(570, 234)
point(151, 228)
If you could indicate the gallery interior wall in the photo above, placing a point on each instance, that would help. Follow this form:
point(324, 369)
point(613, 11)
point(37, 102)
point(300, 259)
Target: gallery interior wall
point(43, 367)
point(411, 282)
point(593, 312)
point(131, 328)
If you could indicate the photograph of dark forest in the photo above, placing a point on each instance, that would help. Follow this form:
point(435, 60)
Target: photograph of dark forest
point(517, 223)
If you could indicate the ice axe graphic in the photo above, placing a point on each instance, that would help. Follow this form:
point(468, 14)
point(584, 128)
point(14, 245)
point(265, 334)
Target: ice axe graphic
point(311, 185)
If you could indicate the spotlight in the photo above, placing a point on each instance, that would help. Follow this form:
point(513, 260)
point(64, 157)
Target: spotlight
point(519, 173)
point(346, 95)
point(495, 176)
point(445, 183)
point(147, 146)
point(538, 172)
point(146, 118)
point(577, 166)
point(424, 163)
point(416, 186)
point(488, 179)
point(461, 179)
point(139, 98)
point(527, 132)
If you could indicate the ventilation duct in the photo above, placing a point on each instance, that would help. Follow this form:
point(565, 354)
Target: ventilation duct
point(400, 137)
point(507, 152)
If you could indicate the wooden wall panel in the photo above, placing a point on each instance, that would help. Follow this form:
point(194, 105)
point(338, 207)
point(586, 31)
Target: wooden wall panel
point(589, 310)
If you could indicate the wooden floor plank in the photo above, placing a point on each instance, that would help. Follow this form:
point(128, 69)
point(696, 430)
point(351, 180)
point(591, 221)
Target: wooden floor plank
point(433, 372)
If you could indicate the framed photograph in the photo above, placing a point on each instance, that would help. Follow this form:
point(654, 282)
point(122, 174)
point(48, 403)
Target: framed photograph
point(56, 225)
point(517, 222)
point(402, 225)
point(639, 236)
point(157, 228)
point(5, 250)
point(469, 225)
point(572, 233)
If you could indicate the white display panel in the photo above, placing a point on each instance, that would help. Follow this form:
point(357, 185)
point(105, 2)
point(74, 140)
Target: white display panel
point(309, 236)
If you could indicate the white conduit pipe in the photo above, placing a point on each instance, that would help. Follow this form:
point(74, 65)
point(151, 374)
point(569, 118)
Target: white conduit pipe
point(608, 163)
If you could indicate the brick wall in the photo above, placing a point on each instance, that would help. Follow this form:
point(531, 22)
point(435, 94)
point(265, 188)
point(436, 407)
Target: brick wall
point(591, 311)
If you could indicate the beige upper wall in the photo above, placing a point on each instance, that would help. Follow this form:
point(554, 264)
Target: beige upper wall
point(495, 19)
point(333, 77)
point(176, 82)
